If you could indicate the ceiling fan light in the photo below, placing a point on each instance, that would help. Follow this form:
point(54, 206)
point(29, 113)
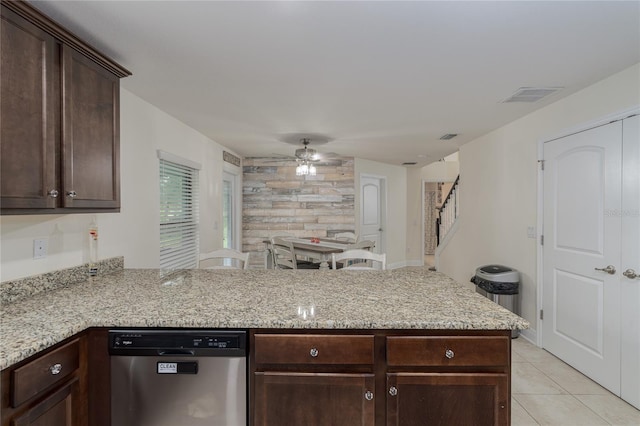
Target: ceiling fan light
point(302, 170)
point(312, 170)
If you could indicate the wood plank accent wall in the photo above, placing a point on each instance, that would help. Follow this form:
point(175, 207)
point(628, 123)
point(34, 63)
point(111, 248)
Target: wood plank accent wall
point(276, 201)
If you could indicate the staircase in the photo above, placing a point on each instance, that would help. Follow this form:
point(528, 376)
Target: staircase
point(448, 212)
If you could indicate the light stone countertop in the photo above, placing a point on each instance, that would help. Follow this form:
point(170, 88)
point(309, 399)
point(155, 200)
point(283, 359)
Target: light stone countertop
point(397, 299)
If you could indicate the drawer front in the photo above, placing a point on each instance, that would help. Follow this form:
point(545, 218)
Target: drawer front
point(43, 372)
point(489, 351)
point(313, 349)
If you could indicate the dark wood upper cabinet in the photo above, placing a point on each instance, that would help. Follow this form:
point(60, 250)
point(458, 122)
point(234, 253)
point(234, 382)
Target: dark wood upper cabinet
point(60, 125)
point(28, 134)
point(90, 133)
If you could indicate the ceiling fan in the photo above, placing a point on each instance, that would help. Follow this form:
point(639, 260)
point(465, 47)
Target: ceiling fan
point(306, 157)
point(306, 153)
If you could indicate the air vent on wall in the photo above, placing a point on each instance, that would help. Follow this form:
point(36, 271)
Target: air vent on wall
point(448, 136)
point(531, 94)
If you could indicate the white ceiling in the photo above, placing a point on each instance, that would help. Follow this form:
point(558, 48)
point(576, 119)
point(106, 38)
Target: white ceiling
point(382, 80)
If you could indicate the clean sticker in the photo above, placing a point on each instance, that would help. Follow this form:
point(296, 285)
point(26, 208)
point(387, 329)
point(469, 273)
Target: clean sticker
point(167, 368)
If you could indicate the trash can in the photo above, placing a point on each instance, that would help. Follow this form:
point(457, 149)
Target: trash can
point(500, 284)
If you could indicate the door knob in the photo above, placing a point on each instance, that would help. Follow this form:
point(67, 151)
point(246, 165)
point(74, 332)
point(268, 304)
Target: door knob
point(630, 273)
point(610, 269)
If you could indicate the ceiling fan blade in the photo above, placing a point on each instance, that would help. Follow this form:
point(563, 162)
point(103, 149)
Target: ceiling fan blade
point(328, 156)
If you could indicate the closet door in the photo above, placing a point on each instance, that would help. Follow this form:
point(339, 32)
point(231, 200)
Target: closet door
point(581, 296)
point(591, 222)
point(630, 287)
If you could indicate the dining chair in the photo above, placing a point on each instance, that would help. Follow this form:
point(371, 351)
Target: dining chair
point(364, 245)
point(284, 256)
point(225, 258)
point(359, 259)
point(348, 237)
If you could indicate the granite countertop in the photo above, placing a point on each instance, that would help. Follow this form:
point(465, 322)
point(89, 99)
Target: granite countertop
point(397, 299)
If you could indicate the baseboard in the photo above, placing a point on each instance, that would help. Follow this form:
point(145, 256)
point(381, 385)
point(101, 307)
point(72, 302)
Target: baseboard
point(530, 335)
point(402, 264)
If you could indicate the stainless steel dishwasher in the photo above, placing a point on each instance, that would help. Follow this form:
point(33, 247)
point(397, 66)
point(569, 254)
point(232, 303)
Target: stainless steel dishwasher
point(178, 377)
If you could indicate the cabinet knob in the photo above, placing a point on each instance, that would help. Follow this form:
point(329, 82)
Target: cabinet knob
point(313, 352)
point(449, 353)
point(53, 193)
point(72, 194)
point(368, 395)
point(55, 369)
point(393, 391)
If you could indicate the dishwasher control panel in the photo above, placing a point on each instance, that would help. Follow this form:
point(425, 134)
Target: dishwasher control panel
point(177, 342)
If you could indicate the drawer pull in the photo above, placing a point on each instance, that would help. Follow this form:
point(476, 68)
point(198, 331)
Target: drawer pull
point(313, 352)
point(55, 369)
point(368, 395)
point(393, 391)
point(449, 353)
point(72, 194)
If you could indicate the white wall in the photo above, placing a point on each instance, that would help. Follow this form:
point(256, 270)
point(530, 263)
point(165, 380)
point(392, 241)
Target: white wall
point(396, 196)
point(442, 171)
point(439, 171)
point(133, 232)
point(498, 183)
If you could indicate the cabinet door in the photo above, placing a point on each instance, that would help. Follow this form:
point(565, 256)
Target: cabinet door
point(58, 409)
point(314, 399)
point(447, 399)
point(90, 133)
point(28, 107)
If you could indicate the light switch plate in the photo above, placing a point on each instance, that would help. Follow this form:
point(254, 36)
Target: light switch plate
point(40, 248)
point(531, 231)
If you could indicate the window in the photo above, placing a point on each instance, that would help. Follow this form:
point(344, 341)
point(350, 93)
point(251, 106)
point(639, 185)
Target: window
point(228, 210)
point(178, 212)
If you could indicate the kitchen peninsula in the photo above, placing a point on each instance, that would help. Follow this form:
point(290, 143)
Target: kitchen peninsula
point(398, 333)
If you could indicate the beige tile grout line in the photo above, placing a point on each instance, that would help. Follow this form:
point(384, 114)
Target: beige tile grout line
point(559, 385)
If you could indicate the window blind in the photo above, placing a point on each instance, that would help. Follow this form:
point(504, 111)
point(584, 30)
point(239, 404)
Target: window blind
point(178, 215)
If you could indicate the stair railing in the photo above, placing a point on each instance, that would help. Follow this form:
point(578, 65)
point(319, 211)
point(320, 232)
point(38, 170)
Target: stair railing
point(448, 212)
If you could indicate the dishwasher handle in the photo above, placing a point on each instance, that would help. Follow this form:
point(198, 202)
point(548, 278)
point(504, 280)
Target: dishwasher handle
point(176, 352)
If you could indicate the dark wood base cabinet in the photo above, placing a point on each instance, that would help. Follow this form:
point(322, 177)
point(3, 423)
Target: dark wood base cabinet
point(48, 389)
point(57, 409)
point(392, 378)
point(329, 399)
point(65, 385)
point(417, 399)
point(297, 377)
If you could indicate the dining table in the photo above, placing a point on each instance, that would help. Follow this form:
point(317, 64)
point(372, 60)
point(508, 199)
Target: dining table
point(319, 249)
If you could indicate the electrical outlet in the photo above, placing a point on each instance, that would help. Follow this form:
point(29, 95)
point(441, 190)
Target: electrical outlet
point(40, 248)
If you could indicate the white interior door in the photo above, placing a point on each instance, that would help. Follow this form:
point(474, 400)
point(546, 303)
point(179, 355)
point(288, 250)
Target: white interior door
point(581, 305)
point(372, 211)
point(630, 287)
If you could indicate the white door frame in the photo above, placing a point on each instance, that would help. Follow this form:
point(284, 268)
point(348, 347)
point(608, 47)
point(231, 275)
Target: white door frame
point(235, 174)
point(383, 208)
point(536, 335)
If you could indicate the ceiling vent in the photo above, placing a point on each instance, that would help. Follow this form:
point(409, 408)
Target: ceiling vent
point(448, 136)
point(531, 94)
point(409, 163)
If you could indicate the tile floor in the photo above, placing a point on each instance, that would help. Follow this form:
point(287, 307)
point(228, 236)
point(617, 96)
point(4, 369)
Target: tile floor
point(546, 391)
